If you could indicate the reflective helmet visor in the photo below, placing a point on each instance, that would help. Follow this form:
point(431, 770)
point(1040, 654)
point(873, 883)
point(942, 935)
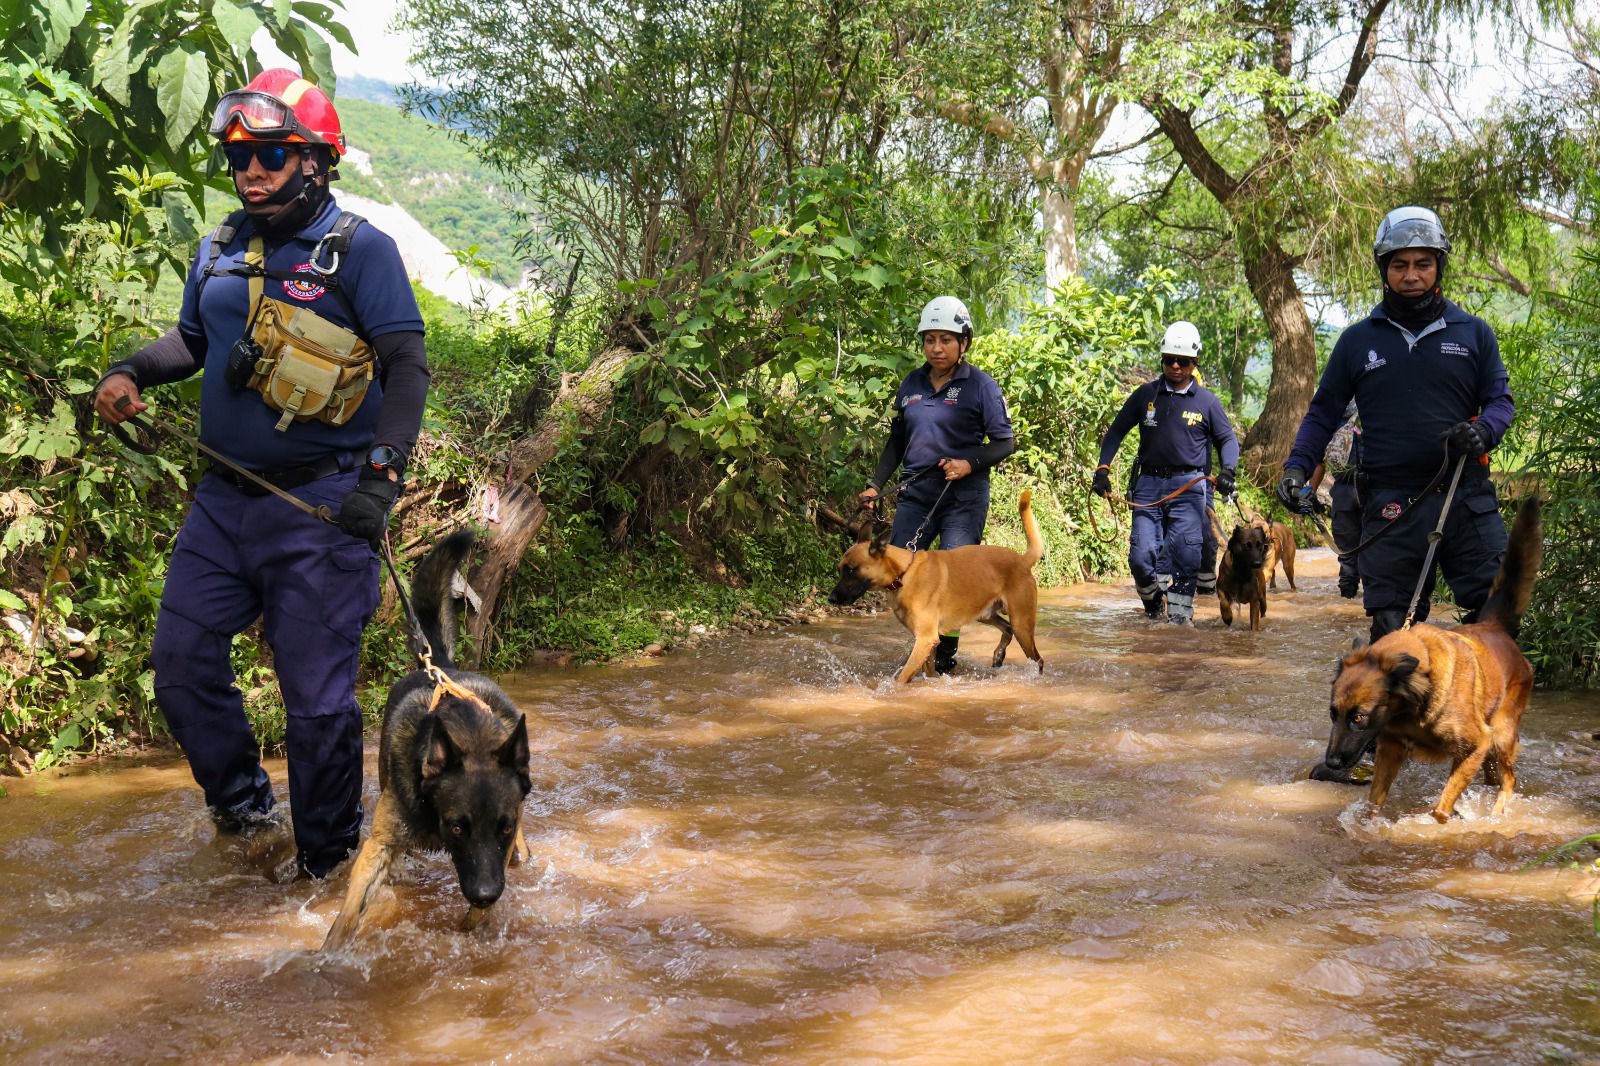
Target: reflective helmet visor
point(259, 114)
point(1411, 233)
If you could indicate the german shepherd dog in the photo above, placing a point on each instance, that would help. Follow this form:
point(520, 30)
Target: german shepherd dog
point(452, 766)
point(1242, 574)
point(1439, 694)
point(933, 592)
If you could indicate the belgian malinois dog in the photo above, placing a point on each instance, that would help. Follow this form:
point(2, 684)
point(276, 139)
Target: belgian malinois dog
point(1282, 540)
point(1437, 694)
point(934, 592)
point(452, 766)
point(1243, 571)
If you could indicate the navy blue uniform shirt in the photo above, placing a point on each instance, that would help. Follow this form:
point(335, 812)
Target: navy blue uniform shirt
point(951, 422)
point(1410, 388)
point(1176, 429)
point(238, 423)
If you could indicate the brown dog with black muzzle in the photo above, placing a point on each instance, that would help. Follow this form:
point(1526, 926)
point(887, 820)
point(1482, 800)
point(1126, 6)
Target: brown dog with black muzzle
point(1438, 694)
point(1243, 570)
point(935, 592)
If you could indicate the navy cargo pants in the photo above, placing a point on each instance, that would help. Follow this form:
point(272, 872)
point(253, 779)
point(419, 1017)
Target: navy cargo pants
point(957, 519)
point(1469, 555)
point(240, 557)
point(1346, 523)
point(1176, 528)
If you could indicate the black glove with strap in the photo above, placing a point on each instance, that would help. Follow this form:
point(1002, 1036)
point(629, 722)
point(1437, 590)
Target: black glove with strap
point(365, 512)
point(1102, 482)
point(1227, 482)
point(1294, 479)
point(1466, 438)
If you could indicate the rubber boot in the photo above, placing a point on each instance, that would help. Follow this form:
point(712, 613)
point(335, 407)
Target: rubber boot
point(1180, 609)
point(944, 656)
point(1386, 622)
point(1154, 598)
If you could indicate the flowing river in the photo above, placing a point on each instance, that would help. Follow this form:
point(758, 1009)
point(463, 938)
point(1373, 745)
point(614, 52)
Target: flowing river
point(762, 851)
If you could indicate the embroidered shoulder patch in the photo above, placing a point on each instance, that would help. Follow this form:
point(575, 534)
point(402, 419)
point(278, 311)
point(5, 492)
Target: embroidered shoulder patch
point(303, 290)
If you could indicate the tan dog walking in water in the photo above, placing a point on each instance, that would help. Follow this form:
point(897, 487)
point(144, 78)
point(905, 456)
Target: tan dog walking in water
point(1438, 694)
point(937, 592)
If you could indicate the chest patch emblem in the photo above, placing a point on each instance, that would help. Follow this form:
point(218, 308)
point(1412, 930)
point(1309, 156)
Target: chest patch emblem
point(1150, 414)
point(1374, 360)
point(1390, 511)
point(303, 290)
point(1452, 348)
point(1193, 418)
point(951, 394)
point(912, 399)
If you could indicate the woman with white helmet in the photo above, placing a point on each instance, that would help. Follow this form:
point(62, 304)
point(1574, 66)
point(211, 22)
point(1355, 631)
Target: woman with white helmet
point(950, 427)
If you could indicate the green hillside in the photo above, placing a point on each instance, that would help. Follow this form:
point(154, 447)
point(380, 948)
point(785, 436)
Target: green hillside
point(437, 179)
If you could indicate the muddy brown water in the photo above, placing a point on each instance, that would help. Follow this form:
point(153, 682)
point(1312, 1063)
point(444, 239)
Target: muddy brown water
point(760, 851)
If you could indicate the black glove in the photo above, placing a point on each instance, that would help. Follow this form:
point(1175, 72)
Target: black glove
point(1466, 438)
point(1102, 482)
point(365, 512)
point(1226, 482)
point(1289, 488)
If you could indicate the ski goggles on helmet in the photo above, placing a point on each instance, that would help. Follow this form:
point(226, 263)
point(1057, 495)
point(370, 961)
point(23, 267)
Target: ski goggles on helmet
point(261, 115)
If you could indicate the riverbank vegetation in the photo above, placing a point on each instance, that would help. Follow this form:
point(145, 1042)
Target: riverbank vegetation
point(736, 235)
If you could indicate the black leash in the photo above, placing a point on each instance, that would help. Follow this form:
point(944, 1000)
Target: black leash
point(1309, 510)
point(321, 512)
point(1434, 538)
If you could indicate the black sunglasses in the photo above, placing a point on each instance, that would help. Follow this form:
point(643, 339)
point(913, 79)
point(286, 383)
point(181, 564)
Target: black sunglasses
point(1177, 360)
point(271, 156)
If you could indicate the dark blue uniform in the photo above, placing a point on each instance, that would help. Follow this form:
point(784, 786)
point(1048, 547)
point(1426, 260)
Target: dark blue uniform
point(953, 423)
point(1410, 388)
point(243, 555)
point(1177, 431)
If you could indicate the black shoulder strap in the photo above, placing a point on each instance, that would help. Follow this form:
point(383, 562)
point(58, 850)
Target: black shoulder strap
point(221, 237)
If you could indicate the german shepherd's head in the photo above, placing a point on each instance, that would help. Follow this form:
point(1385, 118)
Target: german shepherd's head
point(865, 566)
point(1372, 685)
point(1248, 547)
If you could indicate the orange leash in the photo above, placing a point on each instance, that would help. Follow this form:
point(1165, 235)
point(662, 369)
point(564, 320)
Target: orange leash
point(1114, 498)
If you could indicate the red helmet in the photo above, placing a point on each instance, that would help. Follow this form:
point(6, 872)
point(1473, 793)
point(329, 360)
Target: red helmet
point(279, 105)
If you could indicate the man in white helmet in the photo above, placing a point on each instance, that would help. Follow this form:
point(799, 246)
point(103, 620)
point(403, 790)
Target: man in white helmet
point(950, 427)
point(1429, 383)
point(1179, 422)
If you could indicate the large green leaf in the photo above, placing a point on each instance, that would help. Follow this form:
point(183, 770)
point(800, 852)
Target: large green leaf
point(236, 22)
point(53, 24)
point(182, 81)
point(324, 16)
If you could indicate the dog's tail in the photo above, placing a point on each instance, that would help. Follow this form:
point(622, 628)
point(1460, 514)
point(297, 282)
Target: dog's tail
point(1508, 599)
point(1035, 550)
point(430, 594)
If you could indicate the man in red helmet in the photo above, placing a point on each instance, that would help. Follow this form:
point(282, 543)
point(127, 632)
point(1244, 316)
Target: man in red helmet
point(315, 378)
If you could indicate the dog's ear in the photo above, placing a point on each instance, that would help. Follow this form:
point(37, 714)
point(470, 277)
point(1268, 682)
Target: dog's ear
point(441, 752)
point(1400, 671)
point(879, 543)
point(1359, 643)
point(513, 754)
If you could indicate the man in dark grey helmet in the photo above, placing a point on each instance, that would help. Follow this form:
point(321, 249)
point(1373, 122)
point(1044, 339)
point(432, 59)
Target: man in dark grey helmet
point(1428, 380)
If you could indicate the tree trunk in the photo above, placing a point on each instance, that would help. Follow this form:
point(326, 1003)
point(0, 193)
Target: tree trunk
point(1059, 209)
point(579, 405)
point(522, 514)
point(1269, 270)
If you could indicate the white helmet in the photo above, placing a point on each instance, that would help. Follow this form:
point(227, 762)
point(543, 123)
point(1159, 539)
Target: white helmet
point(1409, 227)
point(1181, 339)
point(947, 313)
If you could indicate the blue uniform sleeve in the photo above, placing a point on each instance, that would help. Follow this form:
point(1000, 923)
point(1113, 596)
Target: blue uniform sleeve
point(189, 311)
point(1496, 407)
point(1222, 435)
point(1326, 412)
point(376, 281)
point(996, 418)
point(1126, 419)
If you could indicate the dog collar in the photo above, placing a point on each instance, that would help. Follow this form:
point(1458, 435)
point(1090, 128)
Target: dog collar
point(894, 586)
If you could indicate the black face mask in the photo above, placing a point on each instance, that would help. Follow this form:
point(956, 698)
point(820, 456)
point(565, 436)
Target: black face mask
point(287, 211)
point(1412, 312)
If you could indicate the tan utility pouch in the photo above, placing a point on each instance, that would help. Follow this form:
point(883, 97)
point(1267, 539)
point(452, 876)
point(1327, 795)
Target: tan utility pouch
point(309, 368)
